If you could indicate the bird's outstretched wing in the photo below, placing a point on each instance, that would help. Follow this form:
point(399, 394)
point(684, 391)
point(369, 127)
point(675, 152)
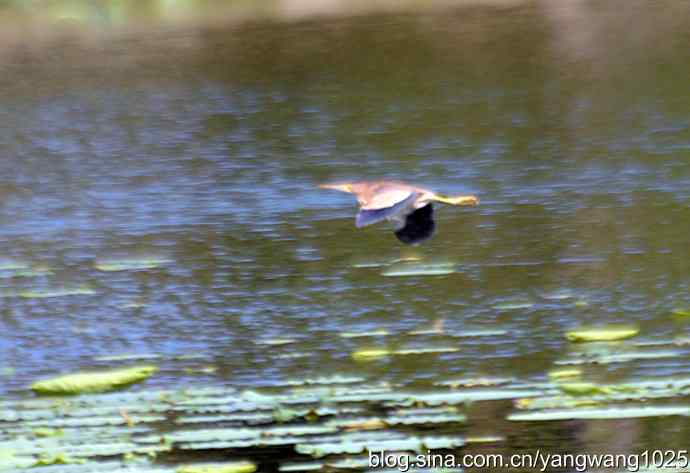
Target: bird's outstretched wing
point(369, 217)
point(385, 195)
point(419, 225)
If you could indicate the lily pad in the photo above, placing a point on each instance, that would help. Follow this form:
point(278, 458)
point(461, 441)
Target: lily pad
point(581, 389)
point(558, 375)
point(304, 466)
point(415, 269)
point(93, 382)
point(373, 333)
point(234, 467)
point(602, 334)
point(41, 294)
point(612, 412)
point(131, 264)
point(368, 355)
point(518, 305)
point(425, 350)
point(621, 357)
point(473, 382)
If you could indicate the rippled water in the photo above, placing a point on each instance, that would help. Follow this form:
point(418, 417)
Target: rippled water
point(203, 148)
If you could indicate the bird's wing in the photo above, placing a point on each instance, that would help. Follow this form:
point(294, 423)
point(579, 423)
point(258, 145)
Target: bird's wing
point(385, 198)
point(371, 216)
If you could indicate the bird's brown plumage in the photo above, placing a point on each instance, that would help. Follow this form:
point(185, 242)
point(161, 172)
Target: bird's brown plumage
point(406, 205)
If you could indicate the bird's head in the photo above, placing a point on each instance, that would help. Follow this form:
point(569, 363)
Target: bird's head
point(343, 187)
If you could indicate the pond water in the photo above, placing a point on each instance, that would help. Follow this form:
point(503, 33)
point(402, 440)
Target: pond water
point(201, 149)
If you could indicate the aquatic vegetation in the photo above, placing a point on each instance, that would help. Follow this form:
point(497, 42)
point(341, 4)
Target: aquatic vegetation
point(317, 417)
point(62, 292)
point(583, 388)
point(57, 459)
point(235, 467)
point(302, 466)
point(619, 357)
point(338, 417)
point(325, 380)
point(568, 373)
point(373, 333)
point(92, 382)
point(474, 382)
point(368, 355)
point(131, 264)
point(23, 271)
point(275, 341)
point(356, 445)
point(425, 350)
point(603, 334)
point(609, 412)
point(517, 305)
point(582, 393)
point(373, 354)
point(420, 269)
point(469, 395)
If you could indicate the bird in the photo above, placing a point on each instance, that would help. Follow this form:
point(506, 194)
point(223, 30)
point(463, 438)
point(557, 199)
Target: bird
point(409, 207)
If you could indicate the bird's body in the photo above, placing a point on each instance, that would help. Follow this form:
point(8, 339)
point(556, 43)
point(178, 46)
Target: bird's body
point(408, 206)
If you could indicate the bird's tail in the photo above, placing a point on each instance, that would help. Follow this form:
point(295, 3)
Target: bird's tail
point(457, 200)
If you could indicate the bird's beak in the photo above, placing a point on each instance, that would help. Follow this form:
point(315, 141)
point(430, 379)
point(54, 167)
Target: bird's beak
point(337, 187)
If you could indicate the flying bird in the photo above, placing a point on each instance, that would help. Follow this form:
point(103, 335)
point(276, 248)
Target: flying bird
point(408, 207)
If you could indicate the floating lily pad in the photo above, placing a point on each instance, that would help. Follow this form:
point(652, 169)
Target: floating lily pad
point(325, 380)
point(368, 355)
point(558, 375)
point(425, 350)
point(234, 467)
point(441, 418)
point(471, 395)
point(40, 294)
point(474, 382)
point(373, 333)
point(275, 341)
point(131, 264)
point(606, 358)
point(25, 272)
point(518, 305)
point(612, 412)
point(94, 381)
point(581, 389)
point(603, 334)
point(416, 269)
point(57, 459)
point(304, 466)
point(355, 446)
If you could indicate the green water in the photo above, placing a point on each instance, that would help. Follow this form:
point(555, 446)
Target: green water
point(201, 147)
